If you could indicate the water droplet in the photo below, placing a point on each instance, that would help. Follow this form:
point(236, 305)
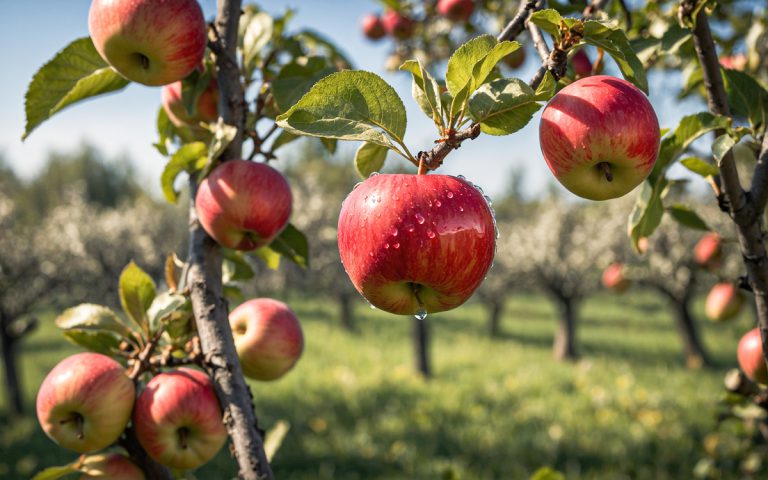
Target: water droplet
point(449, 194)
point(372, 306)
point(461, 177)
point(370, 254)
point(357, 185)
point(419, 218)
point(386, 246)
point(488, 200)
point(430, 234)
point(394, 232)
point(461, 209)
point(421, 314)
point(373, 174)
point(438, 204)
point(395, 245)
point(411, 228)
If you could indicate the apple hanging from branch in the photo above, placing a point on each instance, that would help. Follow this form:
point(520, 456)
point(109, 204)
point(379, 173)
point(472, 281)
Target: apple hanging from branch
point(750, 355)
point(613, 278)
point(724, 302)
point(206, 107)
point(708, 252)
point(456, 10)
point(373, 27)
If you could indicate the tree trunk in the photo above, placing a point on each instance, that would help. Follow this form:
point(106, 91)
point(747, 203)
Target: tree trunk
point(564, 347)
point(345, 312)
point(495, 309)
point(421, 346)
point(12, 384)
point(693, 350)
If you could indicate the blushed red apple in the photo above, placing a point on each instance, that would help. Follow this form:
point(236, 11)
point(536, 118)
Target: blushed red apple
point(600, 137)
point(724, 302)
point(268, 338)
point(148, 41)
point(244, 205)
point(111, 467)
point(413, 243)
point(206, 107)
point(373, 27)
point(613, 278)
point(85, 402)
point(178, 419)
point(516, 58)
point(750, 355)
point(709, 251)
point(581, 64)
point(456, 10)
point(398, 25)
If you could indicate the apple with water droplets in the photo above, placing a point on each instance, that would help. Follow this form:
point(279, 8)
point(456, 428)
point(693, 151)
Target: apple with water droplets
point(416, 243)
point(85, 402)
point(600, 137)
point(750, 354)
point(147, 41)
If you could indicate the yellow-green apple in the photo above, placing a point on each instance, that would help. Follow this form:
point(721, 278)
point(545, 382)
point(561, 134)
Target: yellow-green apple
point(750, 354)
point(148, 41)
point(600, 137)
point(516, 58)
point(178, 419)
point(724, 302)
point(581, 64)
point(614, 279)
point(244, 205)
point(373, 27)
point(206, 107)
point(398, 25)
point(109, 466)
point(456, 10)
point(85, 402)
point(709, 251)
point(413, 243)
point(268, 338)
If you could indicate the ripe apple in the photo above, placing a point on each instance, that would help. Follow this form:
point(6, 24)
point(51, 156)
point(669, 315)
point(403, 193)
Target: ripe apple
point(206, 108)
point(456, 10)
point(373, 27)
point(398, 25)
point(709, 251)
point(724, 302)
point(600, 137)
point(268, 338)
point(581, 64)
point(516, 58)
point(244, 205)
point(85, 402)
point(750, 354)
point(614, 279)
point(413, 243)
point(178, 419)
point(149, 42)
point(734, 62)
point(110, 466)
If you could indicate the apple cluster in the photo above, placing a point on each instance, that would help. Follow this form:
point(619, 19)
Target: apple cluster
point(401, 26)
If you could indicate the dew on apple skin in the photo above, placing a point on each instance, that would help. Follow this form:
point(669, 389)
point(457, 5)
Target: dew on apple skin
point(488, 200)
point(430, 234)
point(395, 245)
point(394, 232)
point(357, 185)
point(419, 218)
point(386, 246)
point(421, 314)
point(461, 209)
point(411, 228)
point(373, 307)
point(449, 194)
point(438, 204)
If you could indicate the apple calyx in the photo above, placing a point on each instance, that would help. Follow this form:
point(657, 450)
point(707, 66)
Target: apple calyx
point(605, 167)
point(79, 423)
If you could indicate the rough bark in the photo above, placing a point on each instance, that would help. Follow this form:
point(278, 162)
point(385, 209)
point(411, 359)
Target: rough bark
point(345, 312)
point(564, 347)
point(421, 346)
point(495, 309)
point(152, 470)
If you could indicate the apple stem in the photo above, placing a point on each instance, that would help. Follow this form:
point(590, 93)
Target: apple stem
point(605, 167)
point(422, 166)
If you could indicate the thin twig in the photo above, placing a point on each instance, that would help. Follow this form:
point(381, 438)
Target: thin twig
point(516, 26)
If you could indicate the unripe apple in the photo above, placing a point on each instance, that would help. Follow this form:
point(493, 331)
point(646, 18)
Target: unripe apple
point(581, 64)
point(516, 58)
point(709, 251)
point(398, 25)
point(178, 419)
point(750, 354)
point(600, 137)
point(267, 336)
point(111, 467)
point(614, 279)
point(85, 402)
point(148, 41)
point(724, 302)
point(244, 205)
point(456, 10)
point(416, 243)
point(206, 108)
point(373, 27)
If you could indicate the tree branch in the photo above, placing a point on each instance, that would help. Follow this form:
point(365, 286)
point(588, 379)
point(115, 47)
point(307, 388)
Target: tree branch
point(760, 179)
point(517, 24)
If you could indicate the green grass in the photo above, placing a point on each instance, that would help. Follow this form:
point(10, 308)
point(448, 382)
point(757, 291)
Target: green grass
point(494, 409)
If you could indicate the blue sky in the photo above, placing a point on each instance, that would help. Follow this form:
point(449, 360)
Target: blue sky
point(123, 123)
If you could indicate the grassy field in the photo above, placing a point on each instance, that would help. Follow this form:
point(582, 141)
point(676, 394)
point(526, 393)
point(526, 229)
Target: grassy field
point(496, 409)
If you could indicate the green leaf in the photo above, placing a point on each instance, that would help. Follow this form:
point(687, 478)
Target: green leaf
point(425, 90)
point(548, 20)
point(647, 212)
point(369, 158)
point(547, 88)
point(349, 105)
point(547, 473)
point(54, 473)
point(674, 38)
point(721, 146)
point(700, 166)
point(329, 144)
point(222, 137)
point(74, 74)
point(274, 438)
point(283, 139)
point(503, 106)
point(235, 267)
point(293, 245)
point(191, 157)
point(689, 129)
point(255, 31)
point(165, 132)
point(88, 316)
point(137, 291)
point(319, 44)
point(472, 62)
point(613, 40)
point(97, 341)
point(686, 216)
point(296, 79)
point(746, 97)
point(270, 257)
point(192, 86)
point(172, 310)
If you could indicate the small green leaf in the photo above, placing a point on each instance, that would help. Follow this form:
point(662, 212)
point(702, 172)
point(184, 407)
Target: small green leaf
point(165, 132)
point(191, 157)
point(721, 146)
point(472, 62)
point(647, 212)
point(88, 316)
point(369, 158)
point(270, 257)
point(54, 473)
point(320, 45)
point(689, 129)
point(700, 166)
point(746, 97)
point(192, 86)
point(329, 144)
point(296, 79)
point(235, 267)
point(503, 106)
point(255, 31)
point(674, 38)
point(283, 139)
point(425, 90)
point(74, 74)
point(548, 20)
point(547, 88)
point(613, 40)
point(97, 341)
point(686, 216)
point(222, 137)
point(137, 291)
point(293, 245)
point(349, 105)
point(172, 310)
point(547, 473)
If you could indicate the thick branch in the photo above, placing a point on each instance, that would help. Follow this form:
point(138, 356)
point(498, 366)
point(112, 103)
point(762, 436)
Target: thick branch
point(760, 179)
point(434, 158)
point(517, 25)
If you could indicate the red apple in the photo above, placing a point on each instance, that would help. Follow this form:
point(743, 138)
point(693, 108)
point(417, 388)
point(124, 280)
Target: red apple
point(734, 62)
point(148, 41)
point(516, 58)
point(268, 338)
point(373, 27)
point(614, 279)
point(600, 137)
point(398, 25)
point(110, 466)
point(413, 243)
point(85, 402)
point(581, 64)
point(178, 419)
point(206, 108)
point(244, 205)
point(750, 354)
point(709, 251)
point(723, 302)
point(456, 10)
